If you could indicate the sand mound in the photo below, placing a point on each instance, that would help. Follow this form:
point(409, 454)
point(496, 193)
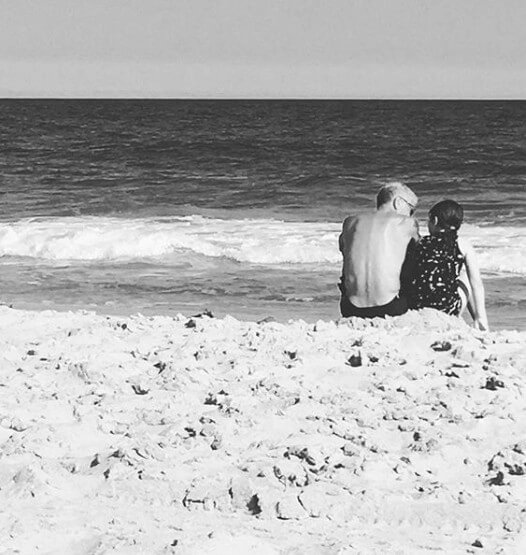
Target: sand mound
point(199, 435)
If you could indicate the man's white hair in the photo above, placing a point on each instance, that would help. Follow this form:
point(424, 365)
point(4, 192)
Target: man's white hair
point(395, 189)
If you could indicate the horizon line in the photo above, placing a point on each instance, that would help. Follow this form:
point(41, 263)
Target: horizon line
point(272, 98)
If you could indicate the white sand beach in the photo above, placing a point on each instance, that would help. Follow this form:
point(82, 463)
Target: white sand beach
point(203, 435)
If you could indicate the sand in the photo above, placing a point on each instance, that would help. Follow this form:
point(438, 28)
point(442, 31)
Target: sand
point(203, 435)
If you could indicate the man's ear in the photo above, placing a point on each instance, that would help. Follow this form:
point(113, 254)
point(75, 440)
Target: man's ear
point(435, 221)
point(397, 203)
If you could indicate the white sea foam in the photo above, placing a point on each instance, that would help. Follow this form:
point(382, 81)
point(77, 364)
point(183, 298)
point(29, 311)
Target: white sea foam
point(500, 249)
point(258, 241)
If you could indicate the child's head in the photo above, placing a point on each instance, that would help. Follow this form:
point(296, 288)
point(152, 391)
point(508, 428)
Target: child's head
point(445, 215)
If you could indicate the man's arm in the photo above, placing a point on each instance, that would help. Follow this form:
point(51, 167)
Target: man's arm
point(341, 244)
point(345, 226)
point(408, 267)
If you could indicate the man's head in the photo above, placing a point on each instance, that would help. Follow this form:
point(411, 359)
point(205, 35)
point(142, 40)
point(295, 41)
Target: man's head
point(398, 198)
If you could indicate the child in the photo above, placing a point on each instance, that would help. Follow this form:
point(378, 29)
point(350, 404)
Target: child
point(446, 268)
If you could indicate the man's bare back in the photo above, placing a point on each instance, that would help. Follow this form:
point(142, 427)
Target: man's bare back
point(374, 248)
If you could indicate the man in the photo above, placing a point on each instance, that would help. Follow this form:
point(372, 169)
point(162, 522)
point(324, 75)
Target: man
point(374, 248)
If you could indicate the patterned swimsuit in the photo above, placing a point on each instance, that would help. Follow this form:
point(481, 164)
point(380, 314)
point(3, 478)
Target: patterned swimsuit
point(438, 262)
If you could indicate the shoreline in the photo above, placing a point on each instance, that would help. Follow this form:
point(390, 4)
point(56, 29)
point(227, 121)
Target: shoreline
point(352, 435)
point(278, 311)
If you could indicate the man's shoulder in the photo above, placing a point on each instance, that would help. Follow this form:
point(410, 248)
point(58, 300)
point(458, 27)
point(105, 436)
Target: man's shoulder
point(407, 223)
point(402, 219)
point(396, 220)
point(399, 227)
point(383, 219)
point(352, 220)
point(362, 216)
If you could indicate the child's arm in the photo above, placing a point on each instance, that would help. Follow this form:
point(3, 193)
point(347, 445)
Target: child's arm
point(477, 287)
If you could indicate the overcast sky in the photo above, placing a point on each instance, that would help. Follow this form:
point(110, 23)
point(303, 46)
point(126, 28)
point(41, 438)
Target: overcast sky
point(264, 48)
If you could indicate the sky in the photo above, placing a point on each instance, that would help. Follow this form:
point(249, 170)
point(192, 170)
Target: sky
point(263, 49)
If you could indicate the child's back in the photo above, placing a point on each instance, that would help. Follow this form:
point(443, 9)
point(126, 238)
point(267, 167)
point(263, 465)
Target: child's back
point(438, 263)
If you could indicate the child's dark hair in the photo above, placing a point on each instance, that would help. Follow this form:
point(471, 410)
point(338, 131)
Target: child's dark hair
point(449, 214)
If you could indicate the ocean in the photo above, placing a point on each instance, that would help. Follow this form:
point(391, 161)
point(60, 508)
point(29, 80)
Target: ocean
point(159, 207)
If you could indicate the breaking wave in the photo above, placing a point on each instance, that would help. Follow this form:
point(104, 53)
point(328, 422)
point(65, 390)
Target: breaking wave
point(502, 249)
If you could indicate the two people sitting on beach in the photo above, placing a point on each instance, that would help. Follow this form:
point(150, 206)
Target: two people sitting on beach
point(388, 268)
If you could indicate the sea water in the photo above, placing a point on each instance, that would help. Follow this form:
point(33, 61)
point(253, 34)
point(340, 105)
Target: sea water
point(236, 206)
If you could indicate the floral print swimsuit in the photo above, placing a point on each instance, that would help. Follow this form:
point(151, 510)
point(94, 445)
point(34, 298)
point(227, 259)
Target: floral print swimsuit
point(438, 262)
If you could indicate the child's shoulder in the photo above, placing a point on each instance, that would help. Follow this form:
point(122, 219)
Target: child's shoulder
point(425, 242)
point(424, 249)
